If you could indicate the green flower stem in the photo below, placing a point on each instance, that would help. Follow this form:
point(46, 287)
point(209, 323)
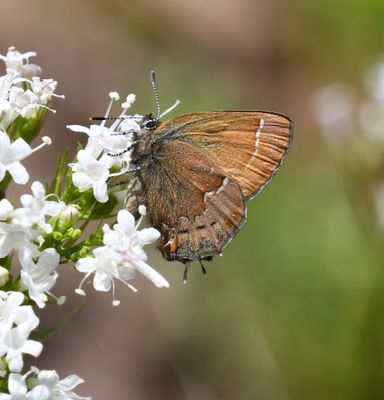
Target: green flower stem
point(41, 336)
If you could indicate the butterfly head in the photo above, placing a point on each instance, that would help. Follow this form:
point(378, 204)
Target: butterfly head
point(150, 122)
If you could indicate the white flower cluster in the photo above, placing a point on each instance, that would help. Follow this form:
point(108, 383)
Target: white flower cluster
point(121, 256)
point(17, 98)
point(16, 324)
point(41, 235)
point(21, 94)
point(96, 160)
point(21, 231)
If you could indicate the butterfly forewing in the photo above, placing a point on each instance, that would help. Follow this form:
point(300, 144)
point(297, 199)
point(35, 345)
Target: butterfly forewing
point(248, 145)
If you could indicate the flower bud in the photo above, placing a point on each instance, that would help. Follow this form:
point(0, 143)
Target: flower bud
point(84, 251)
point(57, 236)
point(4, 276)
point(75, 234)
point(71, 213)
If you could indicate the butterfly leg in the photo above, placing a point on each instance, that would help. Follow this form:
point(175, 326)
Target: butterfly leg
point(120, 153)
point(120, 183)
point(133, 198)
point(203, 268)
point(186, 268)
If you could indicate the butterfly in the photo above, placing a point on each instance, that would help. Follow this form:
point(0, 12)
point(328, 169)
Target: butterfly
point(196, 172)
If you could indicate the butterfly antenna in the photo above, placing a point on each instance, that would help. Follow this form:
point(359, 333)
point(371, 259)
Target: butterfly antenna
point(112, 118)
point(153, 82)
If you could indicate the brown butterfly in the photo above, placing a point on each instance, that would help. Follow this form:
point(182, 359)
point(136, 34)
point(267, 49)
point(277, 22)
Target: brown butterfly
point(195, 173)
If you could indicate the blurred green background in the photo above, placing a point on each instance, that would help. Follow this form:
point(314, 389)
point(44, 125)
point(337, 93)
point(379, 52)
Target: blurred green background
point(295, 308)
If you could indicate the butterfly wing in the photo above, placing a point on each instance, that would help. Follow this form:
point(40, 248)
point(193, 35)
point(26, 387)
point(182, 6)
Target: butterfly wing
point(249, 146)
point(191, 201)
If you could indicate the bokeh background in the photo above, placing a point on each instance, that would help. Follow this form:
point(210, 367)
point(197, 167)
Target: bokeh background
point(295, 308)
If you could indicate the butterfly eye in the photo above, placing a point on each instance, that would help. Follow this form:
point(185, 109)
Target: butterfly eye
point(150, 124)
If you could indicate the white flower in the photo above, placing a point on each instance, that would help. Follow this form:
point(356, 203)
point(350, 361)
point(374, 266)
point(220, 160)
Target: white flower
point(57, 389)
point(90, 172)
point(41, 276)
point(113, 143)
point(23, 102)
point(10, 156)
point(6, 209)
point(44, 89)
point(18, 390)
point(16, 323)
point(101, 138)
point(36, 207)
point(129, 242)
point(14, 60)
point(12, 312)
point(106, 266)
point(13, 236)
point(21, 92)
point(121, 256)
point(14, 343)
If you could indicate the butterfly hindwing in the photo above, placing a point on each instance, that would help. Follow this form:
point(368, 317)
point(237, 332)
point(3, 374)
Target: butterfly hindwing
point(196, 207)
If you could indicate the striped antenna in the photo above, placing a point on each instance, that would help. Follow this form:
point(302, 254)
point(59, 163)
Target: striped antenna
point(153, 82)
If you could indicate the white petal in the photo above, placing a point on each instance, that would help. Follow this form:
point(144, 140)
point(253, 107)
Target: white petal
point(100, 191)
point(81, 181)
point(15, 361)
point(25, 258)
point(19, 173)
point(93, 147)
point(16, 384)
point(126, 221)
point(52, 208)
point(3, 170)
point(32, 347)
point(38, 189)
point(21, 148)
point(5, 209)
point(84, 157)
point(39, 392)
point(150, 273)
point(147, 236)
point(87, 264)
point(112, 238)
point(102, 282)
point(78, 128)
point(71, 381)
